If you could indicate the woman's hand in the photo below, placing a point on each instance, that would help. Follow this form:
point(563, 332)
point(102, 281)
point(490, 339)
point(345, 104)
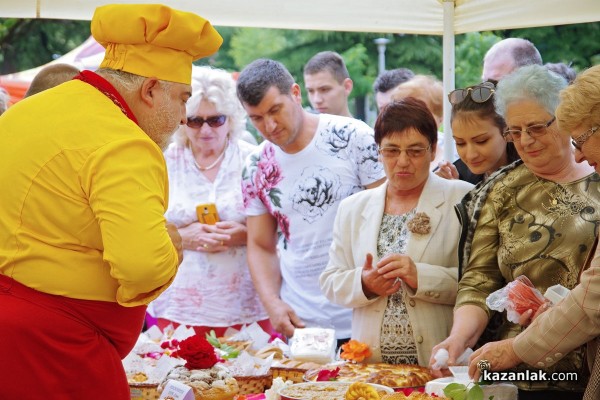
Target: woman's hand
point(529, 316)
point(374, 284)
point(447, 170)
point(455, 347)
point(204, 238)
point(399, 267)
point(237, 232)
point(500, 355)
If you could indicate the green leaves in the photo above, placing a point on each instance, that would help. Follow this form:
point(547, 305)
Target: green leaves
point(475, 393)
point(212, 339)
point(227, 352)
point(458, 391)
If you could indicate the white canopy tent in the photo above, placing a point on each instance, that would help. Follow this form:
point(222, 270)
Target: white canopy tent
point(431, 17)
point(390, 16)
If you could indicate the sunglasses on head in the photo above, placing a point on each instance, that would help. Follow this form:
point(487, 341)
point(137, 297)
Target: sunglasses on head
point(479, 93)
point(213, 122)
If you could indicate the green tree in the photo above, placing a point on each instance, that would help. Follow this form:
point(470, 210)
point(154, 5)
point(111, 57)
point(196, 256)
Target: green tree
point(28, 43)
point(469, 48)
point(577, 44)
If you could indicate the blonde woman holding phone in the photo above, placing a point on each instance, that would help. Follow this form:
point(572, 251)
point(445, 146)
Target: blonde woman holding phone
point(213, 289)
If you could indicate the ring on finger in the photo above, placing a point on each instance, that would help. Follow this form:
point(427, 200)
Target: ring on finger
point(483, 365)
point(205, 246)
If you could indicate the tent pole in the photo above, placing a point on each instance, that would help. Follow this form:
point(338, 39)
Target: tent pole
point(448, 75)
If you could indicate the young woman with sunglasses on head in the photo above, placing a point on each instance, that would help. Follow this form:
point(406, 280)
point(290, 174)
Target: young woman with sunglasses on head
point(213, 288)
point(478, 134)
point(539, 219)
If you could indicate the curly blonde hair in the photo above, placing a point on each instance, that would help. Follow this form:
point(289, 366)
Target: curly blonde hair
point(580, 102)
point(218, 87)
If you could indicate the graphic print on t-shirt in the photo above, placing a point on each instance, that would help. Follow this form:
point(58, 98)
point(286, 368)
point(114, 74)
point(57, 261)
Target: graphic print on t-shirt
point(316, 191)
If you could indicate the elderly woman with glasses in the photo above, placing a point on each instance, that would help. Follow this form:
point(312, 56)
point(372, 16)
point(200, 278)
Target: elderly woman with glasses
point(394, 253)
point(478, 132)
point(575, 320)
point(538, 220)
point(213, 289)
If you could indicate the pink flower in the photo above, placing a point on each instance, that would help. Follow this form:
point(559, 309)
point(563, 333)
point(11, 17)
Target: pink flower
point(268, 174)
point(284, 224)
point(248, 192)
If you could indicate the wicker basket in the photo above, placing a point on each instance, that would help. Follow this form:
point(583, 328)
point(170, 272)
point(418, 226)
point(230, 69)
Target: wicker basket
point(144, 391)
point(254, 384)
point(295, 375)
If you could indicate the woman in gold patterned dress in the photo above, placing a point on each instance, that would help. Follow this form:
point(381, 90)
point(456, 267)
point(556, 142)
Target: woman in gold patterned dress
point(539, 220)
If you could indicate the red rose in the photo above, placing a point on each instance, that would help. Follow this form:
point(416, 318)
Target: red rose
point(328, 374)
point(198, 353)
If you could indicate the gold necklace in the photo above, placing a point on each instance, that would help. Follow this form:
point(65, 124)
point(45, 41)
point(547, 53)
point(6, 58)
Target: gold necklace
point(211, 166)
point(553, 199)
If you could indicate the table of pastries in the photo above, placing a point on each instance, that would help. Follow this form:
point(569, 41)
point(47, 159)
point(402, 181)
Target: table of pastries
point(249, 365)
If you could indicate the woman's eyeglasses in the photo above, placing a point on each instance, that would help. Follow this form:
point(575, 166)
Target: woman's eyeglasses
point(412, 152)
point(581, 139)
point(511, 135)
point(213, 122)
point(479, 93)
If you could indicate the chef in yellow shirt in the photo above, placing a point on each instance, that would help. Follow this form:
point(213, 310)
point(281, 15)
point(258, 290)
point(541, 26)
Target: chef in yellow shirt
point(84, 245)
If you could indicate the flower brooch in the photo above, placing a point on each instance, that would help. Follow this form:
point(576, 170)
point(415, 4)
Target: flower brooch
point(419, 224)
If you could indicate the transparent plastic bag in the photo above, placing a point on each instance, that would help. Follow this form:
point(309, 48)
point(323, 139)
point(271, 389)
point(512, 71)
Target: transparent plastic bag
point(516, 298)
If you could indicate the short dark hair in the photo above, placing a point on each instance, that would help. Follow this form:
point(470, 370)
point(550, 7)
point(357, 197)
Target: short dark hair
point(50, 76)
point(404, 114)
point(392, 78)
point(259, 76)
point(327, 61)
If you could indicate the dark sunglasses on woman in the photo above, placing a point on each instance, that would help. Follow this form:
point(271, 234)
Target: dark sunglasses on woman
point(479, 93)
point(213, 122)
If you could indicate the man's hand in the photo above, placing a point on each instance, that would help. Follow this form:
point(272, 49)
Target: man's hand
point(176, 239)
point(283, 318)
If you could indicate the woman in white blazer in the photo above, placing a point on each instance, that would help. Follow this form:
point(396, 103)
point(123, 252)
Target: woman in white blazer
point(394, 258)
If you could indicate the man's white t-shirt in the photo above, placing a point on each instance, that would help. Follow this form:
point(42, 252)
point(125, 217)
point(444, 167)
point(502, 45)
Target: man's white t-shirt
point(302, 191)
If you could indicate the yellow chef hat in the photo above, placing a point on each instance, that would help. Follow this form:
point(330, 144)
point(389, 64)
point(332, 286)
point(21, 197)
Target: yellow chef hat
point(153, 40)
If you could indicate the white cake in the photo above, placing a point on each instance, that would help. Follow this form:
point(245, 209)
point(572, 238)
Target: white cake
point(313, 345)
